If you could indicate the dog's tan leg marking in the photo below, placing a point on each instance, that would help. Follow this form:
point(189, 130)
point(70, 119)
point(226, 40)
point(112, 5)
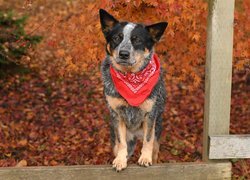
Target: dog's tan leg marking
point(147, 148)
point(156, 147)
point(147, 105)
point(115, 148)
point(115, 102)
point(120, 162)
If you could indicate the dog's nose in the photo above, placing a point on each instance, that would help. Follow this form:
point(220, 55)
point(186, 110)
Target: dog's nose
point(124, 54)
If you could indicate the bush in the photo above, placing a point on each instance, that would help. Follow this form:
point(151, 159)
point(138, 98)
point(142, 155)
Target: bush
point(14, 41)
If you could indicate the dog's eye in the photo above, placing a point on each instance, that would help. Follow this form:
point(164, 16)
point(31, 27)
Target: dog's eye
point(136, 40)
point(117, 38)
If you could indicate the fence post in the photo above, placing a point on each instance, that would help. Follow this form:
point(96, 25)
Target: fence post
point(218, 70)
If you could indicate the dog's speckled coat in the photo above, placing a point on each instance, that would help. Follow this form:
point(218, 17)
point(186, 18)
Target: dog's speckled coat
point(128, 122)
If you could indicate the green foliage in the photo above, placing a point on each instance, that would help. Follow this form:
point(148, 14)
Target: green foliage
point(14, 41)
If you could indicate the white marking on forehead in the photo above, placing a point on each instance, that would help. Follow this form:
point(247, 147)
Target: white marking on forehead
point(128, 29)
point(126, 43)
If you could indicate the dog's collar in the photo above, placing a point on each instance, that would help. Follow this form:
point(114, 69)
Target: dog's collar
point(136, 87)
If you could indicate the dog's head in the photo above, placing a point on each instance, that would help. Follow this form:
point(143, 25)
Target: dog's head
point(129, 45)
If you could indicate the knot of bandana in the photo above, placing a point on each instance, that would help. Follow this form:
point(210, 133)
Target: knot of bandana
point(136, 87)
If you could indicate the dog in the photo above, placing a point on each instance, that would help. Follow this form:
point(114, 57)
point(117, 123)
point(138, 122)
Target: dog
point(134, 88)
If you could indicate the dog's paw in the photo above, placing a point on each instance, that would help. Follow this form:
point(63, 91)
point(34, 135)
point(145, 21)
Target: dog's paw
point(145, 160)
point(119, 163)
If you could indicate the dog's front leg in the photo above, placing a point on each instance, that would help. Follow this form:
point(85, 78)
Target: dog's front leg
point(120, 148)
point(148, 142)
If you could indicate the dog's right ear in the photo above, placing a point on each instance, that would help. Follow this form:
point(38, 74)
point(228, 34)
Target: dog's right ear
point(107, 21)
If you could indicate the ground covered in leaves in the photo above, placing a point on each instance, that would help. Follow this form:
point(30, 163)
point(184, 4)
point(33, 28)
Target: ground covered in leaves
point(48, 117)
point(65, 122)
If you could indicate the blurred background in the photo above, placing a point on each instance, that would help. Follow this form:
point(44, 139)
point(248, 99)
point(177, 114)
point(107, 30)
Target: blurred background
point(52, 111)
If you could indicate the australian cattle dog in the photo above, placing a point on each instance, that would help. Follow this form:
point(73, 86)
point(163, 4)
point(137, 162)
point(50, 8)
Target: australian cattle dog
point(133, 87)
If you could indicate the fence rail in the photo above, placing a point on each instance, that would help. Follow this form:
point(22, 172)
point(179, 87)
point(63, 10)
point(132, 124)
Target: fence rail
point(176, 171)
point(229, 146)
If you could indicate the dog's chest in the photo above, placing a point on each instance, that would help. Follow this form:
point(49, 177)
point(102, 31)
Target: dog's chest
point(133, 116)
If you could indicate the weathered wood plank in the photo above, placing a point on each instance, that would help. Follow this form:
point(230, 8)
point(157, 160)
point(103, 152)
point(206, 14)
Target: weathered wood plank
point(230, 146)
point(218, 70)
point(177, 171)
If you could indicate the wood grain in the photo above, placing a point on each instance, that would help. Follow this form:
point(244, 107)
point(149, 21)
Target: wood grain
point(218, 70)
point(176, 171)
point(228, 147)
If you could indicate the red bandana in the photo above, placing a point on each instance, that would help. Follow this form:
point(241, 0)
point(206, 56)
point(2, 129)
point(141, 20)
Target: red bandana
point(136, 87)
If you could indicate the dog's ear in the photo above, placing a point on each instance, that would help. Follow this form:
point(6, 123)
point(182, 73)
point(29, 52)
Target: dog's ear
point(107, 21)
point(156, 30)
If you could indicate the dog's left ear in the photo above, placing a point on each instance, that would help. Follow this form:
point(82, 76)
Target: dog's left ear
point(107, 21)
point(156, 30)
